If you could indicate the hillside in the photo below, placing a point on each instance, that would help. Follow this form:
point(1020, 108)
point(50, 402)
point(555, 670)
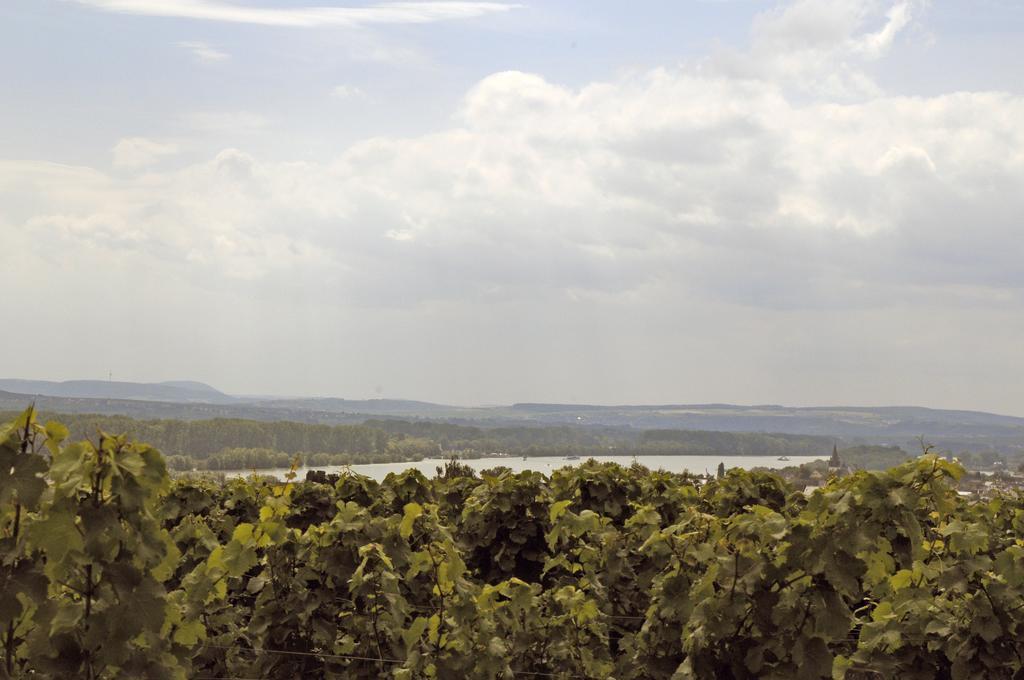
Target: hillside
point(174, 391)
point(956, 430)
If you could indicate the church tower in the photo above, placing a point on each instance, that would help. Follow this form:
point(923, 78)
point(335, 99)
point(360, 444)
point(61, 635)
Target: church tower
point(835, 463)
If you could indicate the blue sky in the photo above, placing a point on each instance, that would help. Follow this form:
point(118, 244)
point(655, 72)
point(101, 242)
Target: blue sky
point(79, 76)
point(810, 202)
point(138, 73)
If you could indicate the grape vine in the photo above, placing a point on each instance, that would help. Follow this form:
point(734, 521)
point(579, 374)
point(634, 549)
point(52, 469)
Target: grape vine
point(111, 569)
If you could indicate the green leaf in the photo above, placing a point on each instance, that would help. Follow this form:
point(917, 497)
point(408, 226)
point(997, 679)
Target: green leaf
point(433, 628)
point(840, 666)
point(414, 632)
point(66, 618)
point(882, 612)
point(901, 579)
point(56, 433)
point(243, 533)
point(190, 633)
point(412, 511)
point(21, 477)
point(558, 509)
point(817, 660)
point(56, 536)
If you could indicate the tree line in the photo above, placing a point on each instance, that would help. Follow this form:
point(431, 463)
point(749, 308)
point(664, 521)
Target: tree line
point(233, 444)
point(241, 458)
point(203, 438)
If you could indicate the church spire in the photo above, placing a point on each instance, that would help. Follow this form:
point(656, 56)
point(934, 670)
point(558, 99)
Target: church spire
point(834, 462)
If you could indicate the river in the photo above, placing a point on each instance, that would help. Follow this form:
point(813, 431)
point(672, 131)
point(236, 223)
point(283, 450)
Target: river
point(547, 464)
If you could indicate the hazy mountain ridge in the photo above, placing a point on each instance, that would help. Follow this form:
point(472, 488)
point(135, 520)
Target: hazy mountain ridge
point(185, 400)
point(174, 391)
point(836, 420)
point(376, 406)
point(193, 385)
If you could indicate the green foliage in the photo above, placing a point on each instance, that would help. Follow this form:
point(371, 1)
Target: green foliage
point(111, 570)
point(86, 556)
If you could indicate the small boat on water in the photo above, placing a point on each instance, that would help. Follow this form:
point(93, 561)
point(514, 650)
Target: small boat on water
point(783, 457)
point(572, 457)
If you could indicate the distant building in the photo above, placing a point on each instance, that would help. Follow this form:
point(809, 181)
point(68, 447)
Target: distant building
point(835, 463)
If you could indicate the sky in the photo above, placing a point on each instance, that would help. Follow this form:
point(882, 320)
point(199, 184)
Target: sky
point(815, 202)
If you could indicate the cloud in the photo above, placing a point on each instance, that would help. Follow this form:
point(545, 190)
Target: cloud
point(346, 92)
point(822, 47)
point(225, 122)
point(674, 180)
point(203, 52)
point(716, 222)
point(303, 17)
point(876, 44)
point(138, 152)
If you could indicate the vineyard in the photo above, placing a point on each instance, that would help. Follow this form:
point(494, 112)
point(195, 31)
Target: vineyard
point(109, 569)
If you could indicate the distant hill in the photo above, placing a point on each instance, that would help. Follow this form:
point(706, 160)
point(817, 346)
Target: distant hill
point(955, 430)
point(828, 420)
point(192, 385)
point(175, 391)
point(384, 407)
point(167, 410)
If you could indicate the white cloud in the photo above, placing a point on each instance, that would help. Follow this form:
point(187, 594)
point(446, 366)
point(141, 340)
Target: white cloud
point(203, 52)
point(138, 152)
point(225, 122)
point(694, 183)
point(821, 46)
point(303, 17)
point(717, 225)
point(876, 44)
point(346, 92)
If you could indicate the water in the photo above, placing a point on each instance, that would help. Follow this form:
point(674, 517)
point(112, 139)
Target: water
point(547, 464)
